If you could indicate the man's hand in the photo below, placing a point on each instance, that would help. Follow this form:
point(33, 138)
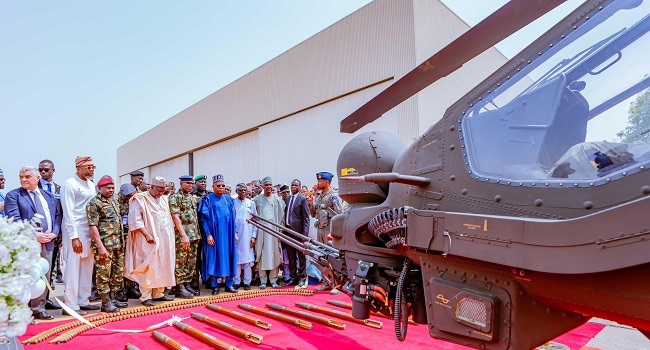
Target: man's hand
point(185, 242)
point(42, 237)
point(77, 247)
point(253, 240)
point(210, 240)
point(103, 253)
point(149, 238)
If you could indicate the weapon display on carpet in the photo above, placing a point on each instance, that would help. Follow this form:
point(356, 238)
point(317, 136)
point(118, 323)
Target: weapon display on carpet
point(348, 306)
point(128, 346)
point(168, 342)
point(228, 328)
point(239, 316)
point(368, 322)
point(204, 337)
point(277, 316)
point(307, 315)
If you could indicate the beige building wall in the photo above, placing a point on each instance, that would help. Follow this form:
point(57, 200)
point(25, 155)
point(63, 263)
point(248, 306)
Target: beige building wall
point(282, 119)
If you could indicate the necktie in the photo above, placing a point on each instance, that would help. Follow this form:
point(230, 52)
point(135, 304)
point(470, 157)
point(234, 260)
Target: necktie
point(290, 209)
point(49, 187)
point(40, 210)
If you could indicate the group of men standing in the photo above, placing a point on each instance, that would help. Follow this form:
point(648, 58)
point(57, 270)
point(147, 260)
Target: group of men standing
point(140, 241)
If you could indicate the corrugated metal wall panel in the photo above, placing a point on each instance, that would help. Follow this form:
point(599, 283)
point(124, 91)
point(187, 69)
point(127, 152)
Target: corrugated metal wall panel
point(171, 169)
point(372, 44)
point(238, 159)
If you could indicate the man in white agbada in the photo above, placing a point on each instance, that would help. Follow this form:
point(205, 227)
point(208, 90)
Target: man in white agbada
point(267, 247)
point(77, 253)
point(246, 235)
point(150, 255)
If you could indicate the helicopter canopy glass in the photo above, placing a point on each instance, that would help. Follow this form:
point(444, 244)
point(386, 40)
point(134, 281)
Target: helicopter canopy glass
point(578, 111)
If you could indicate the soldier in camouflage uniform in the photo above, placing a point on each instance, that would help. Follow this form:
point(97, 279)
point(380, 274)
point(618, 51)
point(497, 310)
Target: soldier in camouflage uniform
point(126, 192)
point(323, 208)
point(182, 206)
point(200, 191)
point(108, 243)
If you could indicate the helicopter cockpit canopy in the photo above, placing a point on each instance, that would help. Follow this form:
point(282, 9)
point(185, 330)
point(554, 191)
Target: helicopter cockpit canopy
point(580, 110)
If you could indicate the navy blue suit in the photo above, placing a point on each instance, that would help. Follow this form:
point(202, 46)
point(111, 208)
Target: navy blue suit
point(20, 206)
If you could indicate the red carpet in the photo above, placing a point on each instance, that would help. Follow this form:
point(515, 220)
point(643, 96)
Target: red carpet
point(280, 336)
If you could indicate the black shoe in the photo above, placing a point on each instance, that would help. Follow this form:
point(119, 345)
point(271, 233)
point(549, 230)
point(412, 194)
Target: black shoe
point(121, 296)
point(94, 296)
point(164, 298)
point(194, 291)
point(236, 286)
point(52, 305)
point(89, 307)
point(80, 312)
point(119, 304)
point(42, 315)
point(247, 287)
point(133, 293)
point(109, 307)
point(183, 293)
point(215, 291)
point(292, 282)
point(231, 290)
point(148, 302)
point(59, 279)
point(173, 291)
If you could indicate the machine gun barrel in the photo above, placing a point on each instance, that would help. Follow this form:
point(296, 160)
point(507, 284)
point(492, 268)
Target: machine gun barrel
point(368, 322)
point(391, 177)
point(206, 338)
point(307, 315)
point(228, 328)
point(309, 242)
point(277, 316)
point(239, 316)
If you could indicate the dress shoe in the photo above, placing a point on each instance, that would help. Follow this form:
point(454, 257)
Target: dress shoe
point(173, 291)
point(80, 312)
point(292, 282)
point(59, 279)
point(121, 296)
point(42, 315)
point(89, 307)
point(247, 287)
point(263, 286)
point(215, 291)
point(236, 286)
point(148, 302)
point(231, 290)
point(164, 298)
point(275, 286)
point(133, 293)
point(52, 305)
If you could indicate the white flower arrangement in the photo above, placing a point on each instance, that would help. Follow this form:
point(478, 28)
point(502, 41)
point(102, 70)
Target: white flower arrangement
point(19, 272)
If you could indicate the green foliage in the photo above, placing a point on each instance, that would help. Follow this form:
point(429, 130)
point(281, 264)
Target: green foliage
point(638, 128)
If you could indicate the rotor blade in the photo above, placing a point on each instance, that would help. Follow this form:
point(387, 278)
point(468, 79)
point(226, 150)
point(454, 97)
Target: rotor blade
point(511, 17)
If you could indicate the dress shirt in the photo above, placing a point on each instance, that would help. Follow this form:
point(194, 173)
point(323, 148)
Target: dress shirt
point(46, 208)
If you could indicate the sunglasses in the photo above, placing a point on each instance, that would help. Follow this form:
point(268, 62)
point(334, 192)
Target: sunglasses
point(220, 186)
point(89, 167)
point(43, 170)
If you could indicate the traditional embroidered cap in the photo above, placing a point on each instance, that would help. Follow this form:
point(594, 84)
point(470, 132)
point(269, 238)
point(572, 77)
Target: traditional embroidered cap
point(200, 177)
point(185, 178)
point(127, 189)
point(256, 183)
point(158, 181)
point(136, 173)
point(240, 186)
point(217, 178)
point(83, 160)
point(105, 180)
point(267, 180)
point(324, 175)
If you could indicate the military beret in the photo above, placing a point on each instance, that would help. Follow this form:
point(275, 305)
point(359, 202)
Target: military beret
point(200, 177)
point(185, 178)
point(324, 175)
point(105, 180)
point(127, 189)
point(136, 173)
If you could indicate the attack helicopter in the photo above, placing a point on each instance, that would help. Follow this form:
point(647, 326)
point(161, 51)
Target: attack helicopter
point(521, 213)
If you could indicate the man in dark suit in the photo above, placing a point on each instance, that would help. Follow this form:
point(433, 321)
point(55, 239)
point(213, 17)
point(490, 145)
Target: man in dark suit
point(297, 219)
point(46, 170)
point(25, 203)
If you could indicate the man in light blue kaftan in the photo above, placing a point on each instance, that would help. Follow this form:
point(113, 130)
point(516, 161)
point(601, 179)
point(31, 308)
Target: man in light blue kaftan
point(217, 216)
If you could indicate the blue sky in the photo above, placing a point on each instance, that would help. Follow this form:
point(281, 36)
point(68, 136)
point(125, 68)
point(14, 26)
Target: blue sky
point(85, 77)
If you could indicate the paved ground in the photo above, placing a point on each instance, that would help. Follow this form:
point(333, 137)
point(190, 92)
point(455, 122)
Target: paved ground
point(613, 337)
